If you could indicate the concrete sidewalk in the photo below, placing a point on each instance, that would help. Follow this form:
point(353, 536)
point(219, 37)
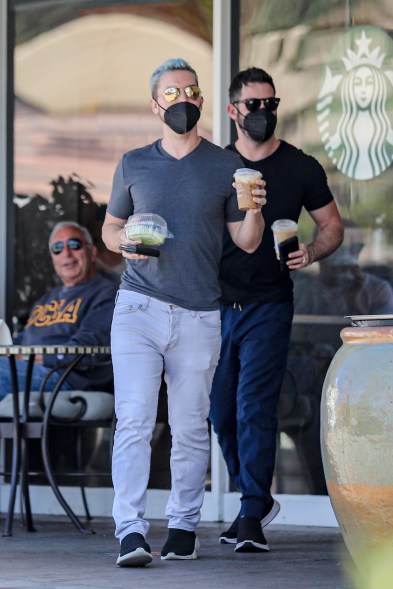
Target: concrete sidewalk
point(56, 556)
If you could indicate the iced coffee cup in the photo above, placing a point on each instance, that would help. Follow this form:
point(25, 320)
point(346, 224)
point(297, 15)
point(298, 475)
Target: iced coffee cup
point(246, 181)
point(283, 229)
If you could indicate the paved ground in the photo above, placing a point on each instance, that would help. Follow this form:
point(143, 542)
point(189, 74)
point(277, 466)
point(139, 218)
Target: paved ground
point(58, 557)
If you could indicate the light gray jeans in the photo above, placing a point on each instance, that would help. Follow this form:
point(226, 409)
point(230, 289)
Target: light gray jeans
point(149, 336)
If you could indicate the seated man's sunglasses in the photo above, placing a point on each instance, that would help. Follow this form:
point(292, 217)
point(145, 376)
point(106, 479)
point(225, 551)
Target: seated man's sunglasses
point(254, 104)
point(170, 94)
point(74, 243)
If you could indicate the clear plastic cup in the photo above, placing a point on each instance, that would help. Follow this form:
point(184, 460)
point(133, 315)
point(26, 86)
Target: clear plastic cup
point(283, 229)
point(246, 181)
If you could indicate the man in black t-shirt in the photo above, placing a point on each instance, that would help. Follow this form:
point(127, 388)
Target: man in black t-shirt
point(257, 307)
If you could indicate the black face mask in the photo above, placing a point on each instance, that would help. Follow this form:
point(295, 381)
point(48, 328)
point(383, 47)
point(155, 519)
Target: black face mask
point(260, 125)
point(181, 117)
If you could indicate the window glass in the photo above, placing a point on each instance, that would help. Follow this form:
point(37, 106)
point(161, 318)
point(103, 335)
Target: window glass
point(332, 64)
point(82, 99)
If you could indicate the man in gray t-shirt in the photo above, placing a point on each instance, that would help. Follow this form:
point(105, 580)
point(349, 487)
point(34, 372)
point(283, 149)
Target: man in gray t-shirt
point(167, 310)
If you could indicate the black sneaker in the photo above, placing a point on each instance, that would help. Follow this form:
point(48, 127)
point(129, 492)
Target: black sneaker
point(269, 513)
point(230, 535)
point(250, 536)
point(134, 551)
point(180, 545)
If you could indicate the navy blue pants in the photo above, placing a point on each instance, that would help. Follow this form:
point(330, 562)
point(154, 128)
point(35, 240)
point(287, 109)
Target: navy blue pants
point(245, 393)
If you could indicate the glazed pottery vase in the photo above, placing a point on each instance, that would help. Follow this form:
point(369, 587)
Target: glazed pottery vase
point(357, 437)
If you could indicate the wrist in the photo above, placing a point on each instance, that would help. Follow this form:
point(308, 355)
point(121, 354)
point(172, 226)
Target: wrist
point(311, 254)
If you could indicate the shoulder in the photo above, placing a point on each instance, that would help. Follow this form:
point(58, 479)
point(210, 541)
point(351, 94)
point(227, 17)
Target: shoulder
point(97, 287)
point(289, 149)
point(371, 280)
point(306, 168)
point(139, 152)
point(223, 156)
point(131, 159)
point(299, 155)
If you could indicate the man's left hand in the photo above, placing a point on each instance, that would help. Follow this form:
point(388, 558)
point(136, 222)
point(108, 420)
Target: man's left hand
point(299, 259)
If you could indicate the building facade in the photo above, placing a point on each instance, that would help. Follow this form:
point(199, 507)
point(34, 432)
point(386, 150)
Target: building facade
point(74, 95)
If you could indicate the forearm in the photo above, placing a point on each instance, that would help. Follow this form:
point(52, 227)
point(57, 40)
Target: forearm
point(111, 232)
point(250, 231)
point(326, 242)
point(247, 234)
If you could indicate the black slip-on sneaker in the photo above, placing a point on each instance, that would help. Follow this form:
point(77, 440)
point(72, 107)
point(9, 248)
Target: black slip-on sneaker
point(134, 551)
point(230, 535)
point(270, 512)
point(250, 537)
point(180, 545)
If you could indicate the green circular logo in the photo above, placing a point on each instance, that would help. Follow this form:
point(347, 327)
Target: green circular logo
point(355, 104)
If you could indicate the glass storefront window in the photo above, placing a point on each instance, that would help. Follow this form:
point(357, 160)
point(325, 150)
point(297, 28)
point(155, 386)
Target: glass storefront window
point(82, 99)
point(332, 64)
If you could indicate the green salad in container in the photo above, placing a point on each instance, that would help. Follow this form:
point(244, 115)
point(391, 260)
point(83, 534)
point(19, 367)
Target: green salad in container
point(148, 228)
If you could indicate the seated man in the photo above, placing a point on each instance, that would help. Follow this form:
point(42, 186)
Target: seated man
point(78, 312)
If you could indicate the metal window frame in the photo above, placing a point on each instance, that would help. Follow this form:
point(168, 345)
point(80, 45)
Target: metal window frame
point(6, 158)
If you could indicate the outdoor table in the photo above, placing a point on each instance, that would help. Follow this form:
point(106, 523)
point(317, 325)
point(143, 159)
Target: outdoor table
point(22, 427)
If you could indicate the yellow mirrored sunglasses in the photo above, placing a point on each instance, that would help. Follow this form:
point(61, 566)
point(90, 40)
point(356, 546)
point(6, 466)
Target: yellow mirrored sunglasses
point(170, 94)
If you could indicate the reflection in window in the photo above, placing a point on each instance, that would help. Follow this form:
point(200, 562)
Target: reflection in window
point(81, 100)
point(293, 42)
point(82, 86)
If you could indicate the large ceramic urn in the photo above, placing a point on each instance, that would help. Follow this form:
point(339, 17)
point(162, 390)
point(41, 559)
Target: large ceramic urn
point(357, 434)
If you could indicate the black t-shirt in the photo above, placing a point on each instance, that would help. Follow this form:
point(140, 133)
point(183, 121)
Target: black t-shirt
point(293, 180)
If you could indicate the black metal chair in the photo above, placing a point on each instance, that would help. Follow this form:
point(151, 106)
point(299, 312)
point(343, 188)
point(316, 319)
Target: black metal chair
point(90, 409)
point(41, 415)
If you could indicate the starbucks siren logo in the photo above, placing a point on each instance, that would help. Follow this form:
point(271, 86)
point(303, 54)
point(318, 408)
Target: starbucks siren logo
point(355, 104)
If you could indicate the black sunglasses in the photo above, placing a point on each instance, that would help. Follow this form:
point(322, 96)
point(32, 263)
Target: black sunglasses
point(74, 243)
point(254, 104)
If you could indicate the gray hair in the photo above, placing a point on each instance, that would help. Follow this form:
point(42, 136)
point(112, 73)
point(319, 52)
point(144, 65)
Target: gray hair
point(63, 224)
point(170, 65)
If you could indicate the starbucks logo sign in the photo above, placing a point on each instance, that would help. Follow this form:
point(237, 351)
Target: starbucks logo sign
point(355, 104)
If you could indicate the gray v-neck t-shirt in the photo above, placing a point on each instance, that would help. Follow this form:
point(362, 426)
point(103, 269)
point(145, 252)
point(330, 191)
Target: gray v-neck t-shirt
point(195, 197)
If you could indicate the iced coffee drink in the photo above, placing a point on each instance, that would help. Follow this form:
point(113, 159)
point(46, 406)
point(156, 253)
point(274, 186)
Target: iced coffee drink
point(283, 229)
point(246, 182)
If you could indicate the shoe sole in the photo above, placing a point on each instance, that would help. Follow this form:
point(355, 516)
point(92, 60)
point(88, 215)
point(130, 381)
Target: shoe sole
point(137, 558)
point(251, 546)
point(272, 514)
point(174, 556)
point(227, 540)
point(264, 522)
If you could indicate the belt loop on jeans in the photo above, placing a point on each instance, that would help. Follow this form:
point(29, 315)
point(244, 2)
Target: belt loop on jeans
point(237, 305)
